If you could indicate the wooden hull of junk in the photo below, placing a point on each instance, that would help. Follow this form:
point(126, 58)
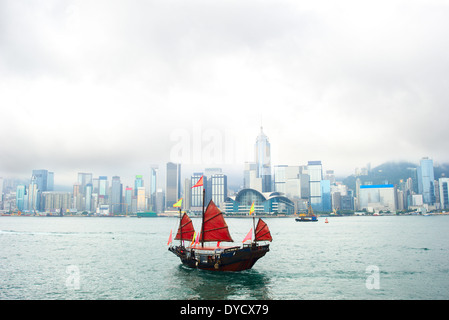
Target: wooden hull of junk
point(221, 259)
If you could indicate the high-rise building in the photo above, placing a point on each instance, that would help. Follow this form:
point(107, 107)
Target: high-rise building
point(51, 181)
point(41, 179)
point(378, 197)
point(219, 188)
point(425, 180)
point(88, 197)
point(141, 204)
point(153, 187)
point(444, 192)
point(116, 195)
point(326, 199)
point(129, 200)
point(196, 199)
point(33, 195)
point(173, 184)
point(138, 182)
point(316, 175)
point(103, 186)
point(20, 197)
point(83, 180)
point(263, 160)
point(187, 194)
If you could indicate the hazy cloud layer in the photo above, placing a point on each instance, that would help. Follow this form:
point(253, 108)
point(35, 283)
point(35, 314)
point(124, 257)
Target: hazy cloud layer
point(102, 86)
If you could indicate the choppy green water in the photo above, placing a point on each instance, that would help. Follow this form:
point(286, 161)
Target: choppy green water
point(127, 258)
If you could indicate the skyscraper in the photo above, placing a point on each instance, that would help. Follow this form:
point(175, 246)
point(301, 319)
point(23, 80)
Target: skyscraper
point(153, 187)
point(41, 179)
point(196, 200)
point(116, 195)
point(316, 175)
point(138, 182)
point(173, 184)
point(141, 205)
point(444, 192)
point(425, 180)
point(83, 180)
point(219, 188)
point(33, 195)
point(263, 160)
point(20, 197)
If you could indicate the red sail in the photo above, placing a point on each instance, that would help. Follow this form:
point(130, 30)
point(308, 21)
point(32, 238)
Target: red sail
point(187, 229)
point(262, 231)
point(215, 227)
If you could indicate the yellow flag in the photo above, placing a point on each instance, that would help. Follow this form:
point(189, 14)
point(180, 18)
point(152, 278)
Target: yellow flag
point(178, 204)
point(193, 239)
point(252, 209)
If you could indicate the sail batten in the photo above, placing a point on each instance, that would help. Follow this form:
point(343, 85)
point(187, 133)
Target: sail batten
point(214, 227)
point(186, 229)
point(262, 231)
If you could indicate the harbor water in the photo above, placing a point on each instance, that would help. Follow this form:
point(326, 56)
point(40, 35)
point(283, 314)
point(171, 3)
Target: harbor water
point(367, 257)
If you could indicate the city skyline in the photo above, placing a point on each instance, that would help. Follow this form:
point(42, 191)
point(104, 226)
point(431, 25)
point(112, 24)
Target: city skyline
point(346, 83)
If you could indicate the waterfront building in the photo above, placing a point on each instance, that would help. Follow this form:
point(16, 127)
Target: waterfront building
point(263, 160)
point(77, 197)
point(196, 194)
point(141, 203)
point(41, 179)
point(187, 195)
point(378, 198)
point(315, 171)
point(33, 196)
point(326, 201)
point(116, 195)
point(425, 180)
point(56, 201)
point(83, 180)
point(444, 192)
point(264, 203)
point(50, 181)
point(219, 188)
point(250, 175)
point(103, 186)
point(20, 197)
point(173, 184)
point(88, 198)
point(129, 192)
point(138, 182)
point(153, 187)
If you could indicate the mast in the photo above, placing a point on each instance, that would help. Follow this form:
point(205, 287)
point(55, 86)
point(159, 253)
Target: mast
point(180, 224)
point(254, 228)
point(202, 224)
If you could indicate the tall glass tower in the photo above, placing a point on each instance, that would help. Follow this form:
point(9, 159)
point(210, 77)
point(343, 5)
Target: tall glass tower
point(425, 180)
point(316, 175)
point(263, 160)
point(116, 195)
point(173, 184)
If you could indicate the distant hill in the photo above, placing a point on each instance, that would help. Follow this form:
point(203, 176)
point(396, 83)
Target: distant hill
point(392, 173)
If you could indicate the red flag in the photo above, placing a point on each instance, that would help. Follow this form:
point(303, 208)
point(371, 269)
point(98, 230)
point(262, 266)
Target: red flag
point(170, 238)
point(199, 183)
point(249, 236)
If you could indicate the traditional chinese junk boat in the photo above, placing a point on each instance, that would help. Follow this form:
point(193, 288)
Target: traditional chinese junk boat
point(215, 229)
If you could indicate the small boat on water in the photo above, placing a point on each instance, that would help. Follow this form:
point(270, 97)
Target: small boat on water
point(310, 217)
point(215, 229)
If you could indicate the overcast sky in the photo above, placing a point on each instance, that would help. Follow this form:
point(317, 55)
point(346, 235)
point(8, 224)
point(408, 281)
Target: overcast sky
point(111, 87)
